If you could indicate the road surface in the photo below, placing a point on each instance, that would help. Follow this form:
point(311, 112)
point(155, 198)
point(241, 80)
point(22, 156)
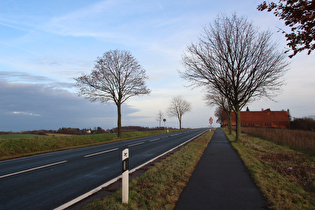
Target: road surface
point(49, 180)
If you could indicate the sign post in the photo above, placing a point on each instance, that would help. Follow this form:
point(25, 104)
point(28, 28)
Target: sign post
point(125, 175)
point(210, 122)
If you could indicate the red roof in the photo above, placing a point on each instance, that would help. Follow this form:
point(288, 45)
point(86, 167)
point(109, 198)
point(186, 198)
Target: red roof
point(263, 116)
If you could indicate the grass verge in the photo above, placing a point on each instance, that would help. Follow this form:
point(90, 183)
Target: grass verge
point(285, 177)
point(295, 139)
point(35, 144)
point(161, 186)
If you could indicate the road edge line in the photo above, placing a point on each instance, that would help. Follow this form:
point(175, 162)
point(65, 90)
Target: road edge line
point(95, 190)
point(85, 195)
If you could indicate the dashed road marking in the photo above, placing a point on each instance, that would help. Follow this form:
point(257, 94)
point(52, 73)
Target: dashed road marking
point(132, 145)
point(98, 153)
point(154, 140)
point(32, 169)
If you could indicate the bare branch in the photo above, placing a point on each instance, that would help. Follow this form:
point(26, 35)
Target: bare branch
point(178, 108)
point(116, 77)
point(235, 61)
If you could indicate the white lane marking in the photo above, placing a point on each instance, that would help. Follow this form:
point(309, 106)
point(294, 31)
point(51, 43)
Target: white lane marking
point(32, 169)
point(91, 192)
point(98, 153)
point(154, 140)
point(140, 166)
point(132, 145)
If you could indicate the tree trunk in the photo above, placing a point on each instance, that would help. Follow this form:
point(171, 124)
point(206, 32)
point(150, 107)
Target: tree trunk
point(229, 122)
point(119, 120)
point(238, 124)
point(180, 123)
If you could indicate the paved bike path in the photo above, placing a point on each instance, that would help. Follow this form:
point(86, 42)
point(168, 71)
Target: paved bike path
point(220, 181)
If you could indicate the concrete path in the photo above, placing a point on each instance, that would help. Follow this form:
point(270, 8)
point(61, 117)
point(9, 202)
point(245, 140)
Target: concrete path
point(220, 181)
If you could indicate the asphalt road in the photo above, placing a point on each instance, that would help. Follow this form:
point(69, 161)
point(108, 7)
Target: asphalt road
point(49, 180)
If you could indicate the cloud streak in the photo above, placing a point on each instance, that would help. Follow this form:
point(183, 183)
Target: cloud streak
point(45, 44)
point(38, 106)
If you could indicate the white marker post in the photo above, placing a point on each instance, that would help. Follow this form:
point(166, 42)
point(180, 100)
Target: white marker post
point(125, 175)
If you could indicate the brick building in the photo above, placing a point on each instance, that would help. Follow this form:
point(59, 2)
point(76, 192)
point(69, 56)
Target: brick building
point(264, 118)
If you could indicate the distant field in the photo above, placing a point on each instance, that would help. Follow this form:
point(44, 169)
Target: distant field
point(19, 145)
point(19, 136)
point(58, 134)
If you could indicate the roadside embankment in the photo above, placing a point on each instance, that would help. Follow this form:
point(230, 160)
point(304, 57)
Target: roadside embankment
point(161, 186)
point(286, 177)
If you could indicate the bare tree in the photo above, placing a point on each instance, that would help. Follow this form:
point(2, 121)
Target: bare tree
point(116, 77)
point(224, 106)
point(220, 115)
point(159, 117)
point(236, 61)
point(178, 108)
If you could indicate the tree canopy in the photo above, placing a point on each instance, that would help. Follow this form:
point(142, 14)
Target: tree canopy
point(299, 15)
point(116, 77)
point(178, 108)
point(234, 60)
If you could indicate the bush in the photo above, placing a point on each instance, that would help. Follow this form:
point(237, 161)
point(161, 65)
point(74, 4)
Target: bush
point(303, 124)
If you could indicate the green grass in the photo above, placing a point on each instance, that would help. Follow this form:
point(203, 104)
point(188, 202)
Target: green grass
point(161, 186)
point(19, 136)
point(285, 177)
point(19, 145)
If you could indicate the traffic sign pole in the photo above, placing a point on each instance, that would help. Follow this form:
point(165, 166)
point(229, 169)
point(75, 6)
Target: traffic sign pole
point(210, 121)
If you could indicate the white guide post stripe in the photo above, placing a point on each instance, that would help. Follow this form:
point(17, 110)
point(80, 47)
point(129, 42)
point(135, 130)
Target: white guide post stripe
point(98, 153)
point(32, 169)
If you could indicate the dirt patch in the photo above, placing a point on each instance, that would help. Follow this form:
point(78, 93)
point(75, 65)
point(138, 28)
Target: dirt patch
point(293, 166)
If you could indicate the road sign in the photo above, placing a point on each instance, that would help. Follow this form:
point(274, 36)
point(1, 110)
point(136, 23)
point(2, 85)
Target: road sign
point(210, 120)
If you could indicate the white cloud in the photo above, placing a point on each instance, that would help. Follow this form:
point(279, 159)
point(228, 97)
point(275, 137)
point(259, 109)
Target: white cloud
point(40, 106)
point(25, 113)
point(58, 40)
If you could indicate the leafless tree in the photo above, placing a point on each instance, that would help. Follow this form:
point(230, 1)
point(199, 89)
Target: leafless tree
point(116, 77)
point(235, 60)
point(224, 106)
point(160, 117)
point(219, 114)
point(178, 108)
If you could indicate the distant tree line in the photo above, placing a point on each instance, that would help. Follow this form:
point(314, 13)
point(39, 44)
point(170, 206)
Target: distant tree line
point(138, 128)
point(38, 132)
point(84, 131)
point(306, 123)
point(77, 131)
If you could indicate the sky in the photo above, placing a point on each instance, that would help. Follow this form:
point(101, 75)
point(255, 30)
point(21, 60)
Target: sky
point(44, 45)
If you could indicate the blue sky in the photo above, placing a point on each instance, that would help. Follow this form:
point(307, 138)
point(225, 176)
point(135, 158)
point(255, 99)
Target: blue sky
point(45, 44)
